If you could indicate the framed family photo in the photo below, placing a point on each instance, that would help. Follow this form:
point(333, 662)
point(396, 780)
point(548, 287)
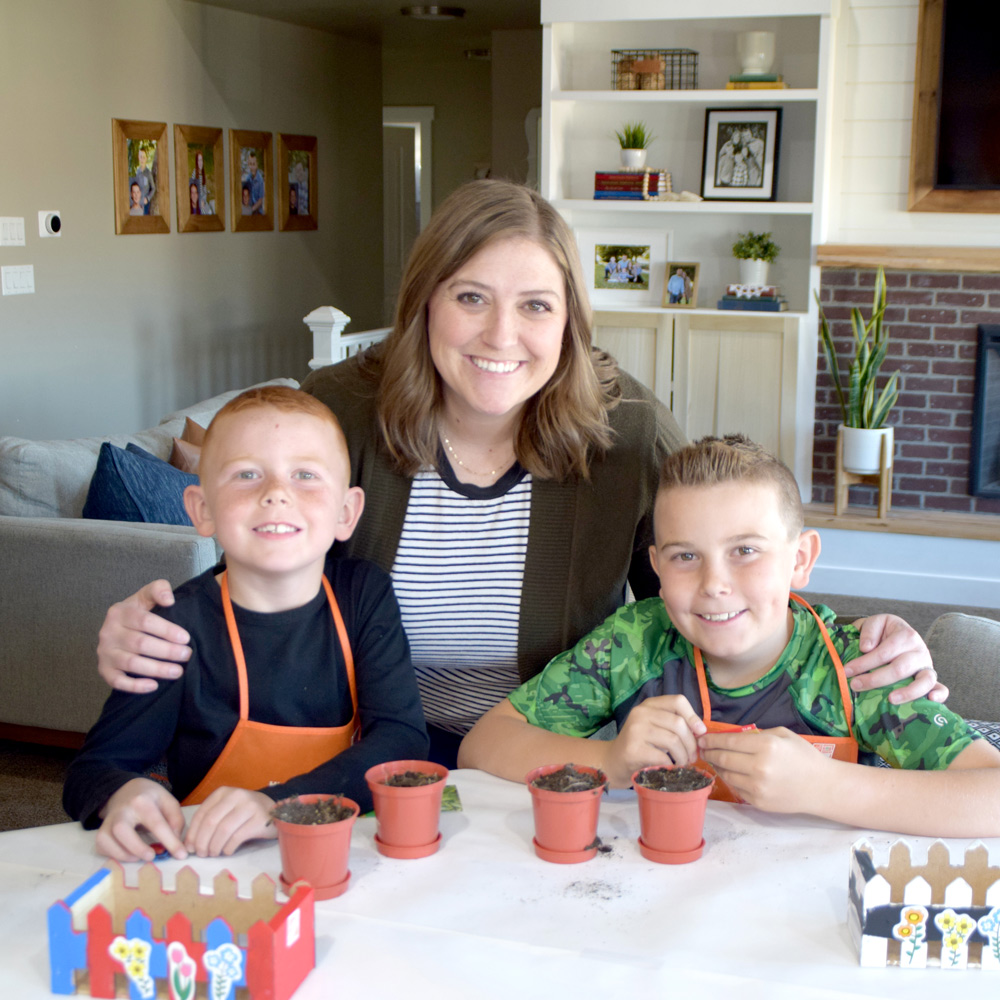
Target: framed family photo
point(623, 266)
point(680, 291)
point(741, 154)
point(200, 179)
point(298, 180)
point(251, 180)
point(141, 168)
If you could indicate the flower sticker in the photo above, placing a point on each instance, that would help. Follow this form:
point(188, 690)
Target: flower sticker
point(955, 930)
point(133, 955)
point(989, 927)
point(911, 930)
point(225, 967)
point(180, 972)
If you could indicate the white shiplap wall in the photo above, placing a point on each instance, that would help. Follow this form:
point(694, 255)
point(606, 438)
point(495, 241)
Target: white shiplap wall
point(870, 154)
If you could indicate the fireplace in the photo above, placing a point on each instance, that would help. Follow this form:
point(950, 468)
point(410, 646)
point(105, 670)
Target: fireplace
point(984, 468)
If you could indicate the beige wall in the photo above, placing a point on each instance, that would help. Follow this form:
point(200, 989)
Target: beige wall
point(875, 61)
point(123, 329)
point(517, 88)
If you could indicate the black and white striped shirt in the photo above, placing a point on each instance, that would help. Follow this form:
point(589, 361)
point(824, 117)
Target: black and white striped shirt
point(457, 576)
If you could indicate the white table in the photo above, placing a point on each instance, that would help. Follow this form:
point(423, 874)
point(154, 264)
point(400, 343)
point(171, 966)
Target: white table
point(764, 911)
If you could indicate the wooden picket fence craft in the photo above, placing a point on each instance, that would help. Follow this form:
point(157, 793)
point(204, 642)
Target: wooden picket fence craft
point(107, 935)
point(936, 914)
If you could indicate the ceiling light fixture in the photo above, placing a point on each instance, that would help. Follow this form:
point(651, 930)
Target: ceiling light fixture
point(433, 13)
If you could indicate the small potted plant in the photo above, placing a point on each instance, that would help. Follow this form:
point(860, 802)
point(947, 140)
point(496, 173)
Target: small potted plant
point(634, 139)
point(566, 803)
point(407, 798)
point(672, 804)
point(863, 407)
point(755, 252)
point(314, 837)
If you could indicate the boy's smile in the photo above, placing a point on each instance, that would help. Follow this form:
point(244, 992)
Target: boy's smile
point(726, 564)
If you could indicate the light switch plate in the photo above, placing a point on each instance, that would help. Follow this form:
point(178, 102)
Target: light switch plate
point(11, 231)
point(18, 279)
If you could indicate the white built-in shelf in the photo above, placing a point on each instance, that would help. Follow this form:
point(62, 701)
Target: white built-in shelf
point(741, 97)
point(684, 207)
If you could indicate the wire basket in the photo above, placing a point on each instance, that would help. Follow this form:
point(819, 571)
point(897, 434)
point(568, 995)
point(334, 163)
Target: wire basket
point(654, 69)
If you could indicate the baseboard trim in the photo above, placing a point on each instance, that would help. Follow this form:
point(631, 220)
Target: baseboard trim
point(36, 734)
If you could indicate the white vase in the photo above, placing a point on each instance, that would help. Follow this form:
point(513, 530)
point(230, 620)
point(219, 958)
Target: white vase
point(862, 448)
point(633, 159)
point(753, 272)
point(756, 51)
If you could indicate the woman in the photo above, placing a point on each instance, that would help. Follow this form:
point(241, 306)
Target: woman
point(198, 178)
point(509, 468)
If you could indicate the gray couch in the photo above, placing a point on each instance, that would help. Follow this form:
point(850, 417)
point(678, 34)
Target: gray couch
point(59, 573)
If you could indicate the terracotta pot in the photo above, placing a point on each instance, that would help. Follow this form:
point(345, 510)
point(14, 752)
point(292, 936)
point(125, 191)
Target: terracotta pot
point(317, 854)
point(671, 822)
point(407, 817)
point(565, 822)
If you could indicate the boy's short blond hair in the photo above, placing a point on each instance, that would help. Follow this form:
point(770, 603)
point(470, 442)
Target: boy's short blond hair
point(734, 459)
point(285, 399)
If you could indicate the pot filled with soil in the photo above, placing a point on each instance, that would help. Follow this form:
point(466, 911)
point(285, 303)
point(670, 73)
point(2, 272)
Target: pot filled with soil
point(566, 800)
point(407, 797)
point(672, 812)
point(314, 837)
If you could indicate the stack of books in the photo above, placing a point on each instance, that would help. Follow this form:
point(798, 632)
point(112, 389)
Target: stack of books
point(756, 81)
point(627, 184)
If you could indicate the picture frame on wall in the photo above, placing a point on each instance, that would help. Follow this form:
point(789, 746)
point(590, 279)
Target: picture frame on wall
point(680, 289)
point(741, 154)
point(298, 180)
point(140, 163)
point(200, 179)
point(624, 266)
point(251, 180)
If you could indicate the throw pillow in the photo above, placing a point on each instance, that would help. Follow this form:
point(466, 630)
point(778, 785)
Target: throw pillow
point(130, 484)
point(186, 451)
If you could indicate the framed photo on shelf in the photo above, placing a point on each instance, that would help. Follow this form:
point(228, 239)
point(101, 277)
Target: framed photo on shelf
point(681, 288)
point(251, 181)
point(741, 154)
point(140, 164)
point(623, 266)
point(298, 181)
point(200, 179)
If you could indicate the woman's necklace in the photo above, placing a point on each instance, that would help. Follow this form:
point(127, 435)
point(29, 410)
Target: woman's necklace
point(492, 473)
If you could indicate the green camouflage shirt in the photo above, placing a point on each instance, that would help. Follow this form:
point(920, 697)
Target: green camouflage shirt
point(636, 653)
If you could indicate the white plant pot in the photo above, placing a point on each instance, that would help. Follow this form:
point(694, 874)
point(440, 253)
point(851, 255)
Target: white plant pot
point(753, 272)
point(862, 448)
point(633, 159)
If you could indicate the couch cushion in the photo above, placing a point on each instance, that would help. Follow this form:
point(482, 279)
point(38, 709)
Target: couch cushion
point(51, 478)
point(130, 484)
point(966, 654)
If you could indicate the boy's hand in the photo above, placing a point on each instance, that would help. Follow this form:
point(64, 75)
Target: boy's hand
point(659, 731)
point(891, 649)
point(140, 803)
point(228, 818)
point(772, 769)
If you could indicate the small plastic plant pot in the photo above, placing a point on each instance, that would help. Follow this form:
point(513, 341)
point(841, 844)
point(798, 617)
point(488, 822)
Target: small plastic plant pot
point(407, 816)
point(671, 822)
point(565, 822)
point(317, 853)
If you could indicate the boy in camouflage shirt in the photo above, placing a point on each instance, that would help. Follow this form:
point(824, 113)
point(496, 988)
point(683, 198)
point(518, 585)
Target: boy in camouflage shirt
point(730, 545)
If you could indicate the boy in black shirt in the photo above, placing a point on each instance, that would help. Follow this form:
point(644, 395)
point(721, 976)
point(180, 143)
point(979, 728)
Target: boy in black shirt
point(298, 682)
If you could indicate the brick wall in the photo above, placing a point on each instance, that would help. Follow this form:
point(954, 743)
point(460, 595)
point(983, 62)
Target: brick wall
point(932, 320)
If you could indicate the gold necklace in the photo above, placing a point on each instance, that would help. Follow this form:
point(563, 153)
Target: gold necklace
point(492, 473)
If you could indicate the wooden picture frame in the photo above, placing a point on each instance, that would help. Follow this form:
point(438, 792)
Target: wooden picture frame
point(740, 160)
point(687, 298)
point(624, 266)
point(249, 158)
point(198, 164)
point(297, 182)
point(140, 158)
point(929, 91)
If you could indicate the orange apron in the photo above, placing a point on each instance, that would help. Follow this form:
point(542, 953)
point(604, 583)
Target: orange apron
point(839, 747)
point(257, 753)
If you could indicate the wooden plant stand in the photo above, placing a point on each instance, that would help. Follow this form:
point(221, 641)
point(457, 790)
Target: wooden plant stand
point(881, 479)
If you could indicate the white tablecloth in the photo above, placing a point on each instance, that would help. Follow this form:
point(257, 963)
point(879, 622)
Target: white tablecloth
point(762, 912)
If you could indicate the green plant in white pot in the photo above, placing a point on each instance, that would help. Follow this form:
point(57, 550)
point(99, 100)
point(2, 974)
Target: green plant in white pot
point(863, 406)
point(755, 252)
point(634, 139)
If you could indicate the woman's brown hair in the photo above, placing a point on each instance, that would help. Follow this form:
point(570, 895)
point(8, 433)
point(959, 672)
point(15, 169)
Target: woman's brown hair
point(566, 421)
